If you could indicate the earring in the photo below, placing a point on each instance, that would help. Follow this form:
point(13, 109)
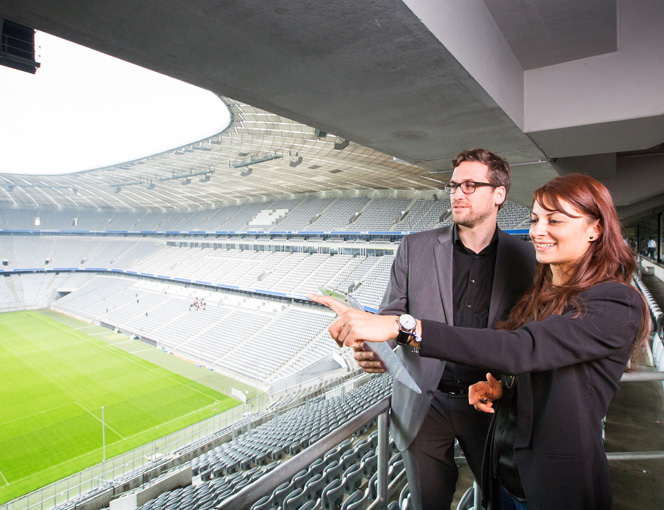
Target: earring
point(592, 237)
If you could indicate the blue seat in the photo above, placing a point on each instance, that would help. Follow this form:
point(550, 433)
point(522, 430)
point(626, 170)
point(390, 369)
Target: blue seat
point(333, 495)
point(309, 505)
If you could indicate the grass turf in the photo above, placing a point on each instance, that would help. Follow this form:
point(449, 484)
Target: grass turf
point(54, 382)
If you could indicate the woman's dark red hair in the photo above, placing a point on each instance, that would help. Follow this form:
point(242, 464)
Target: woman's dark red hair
point(608, 258)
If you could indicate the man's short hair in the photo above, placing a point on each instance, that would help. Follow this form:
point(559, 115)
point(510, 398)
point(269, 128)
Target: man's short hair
point(499, 169)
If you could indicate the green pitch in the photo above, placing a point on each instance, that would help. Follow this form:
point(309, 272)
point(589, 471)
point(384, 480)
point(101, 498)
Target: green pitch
point(54, 381)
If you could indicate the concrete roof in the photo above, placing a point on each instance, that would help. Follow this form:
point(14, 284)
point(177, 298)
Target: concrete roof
point(553, 86)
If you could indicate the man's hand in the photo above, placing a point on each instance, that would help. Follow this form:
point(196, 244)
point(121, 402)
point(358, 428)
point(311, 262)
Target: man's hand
point(482, 394)
point(368, 360)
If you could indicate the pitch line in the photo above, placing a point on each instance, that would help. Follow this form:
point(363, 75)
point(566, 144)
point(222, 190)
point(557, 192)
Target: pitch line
point(34, 414)
point(3, 477)
point(99, 420)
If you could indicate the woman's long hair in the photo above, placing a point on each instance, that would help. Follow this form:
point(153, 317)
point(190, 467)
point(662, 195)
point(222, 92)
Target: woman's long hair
point(608, 258)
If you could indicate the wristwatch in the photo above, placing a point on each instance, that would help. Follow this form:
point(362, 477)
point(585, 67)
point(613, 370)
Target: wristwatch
point(407, 325)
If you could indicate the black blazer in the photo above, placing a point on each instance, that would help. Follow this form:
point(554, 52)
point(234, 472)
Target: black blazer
point(571, 368)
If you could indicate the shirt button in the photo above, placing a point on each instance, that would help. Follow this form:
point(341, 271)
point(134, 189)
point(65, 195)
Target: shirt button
point(472, 281)
point(469, 306)
point(430, 393)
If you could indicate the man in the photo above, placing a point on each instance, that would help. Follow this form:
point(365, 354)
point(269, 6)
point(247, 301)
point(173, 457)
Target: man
point(652, 246)
point(468, 274)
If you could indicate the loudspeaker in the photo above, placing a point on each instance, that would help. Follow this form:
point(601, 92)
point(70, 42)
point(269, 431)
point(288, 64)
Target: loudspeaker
point(17, 47)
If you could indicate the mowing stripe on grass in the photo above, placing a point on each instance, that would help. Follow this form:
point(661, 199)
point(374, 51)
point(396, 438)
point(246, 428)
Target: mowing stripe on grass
point(109, 349)
point(55, 381)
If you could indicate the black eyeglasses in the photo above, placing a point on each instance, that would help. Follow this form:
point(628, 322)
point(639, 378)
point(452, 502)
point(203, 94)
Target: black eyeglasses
point(468, 187)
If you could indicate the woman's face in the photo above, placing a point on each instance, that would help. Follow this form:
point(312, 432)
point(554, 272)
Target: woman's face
point(560, 239)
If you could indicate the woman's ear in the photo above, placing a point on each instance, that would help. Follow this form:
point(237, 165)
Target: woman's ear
point(595, 231)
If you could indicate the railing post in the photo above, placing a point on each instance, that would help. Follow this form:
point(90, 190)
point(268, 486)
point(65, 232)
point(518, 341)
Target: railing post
point(383, 457)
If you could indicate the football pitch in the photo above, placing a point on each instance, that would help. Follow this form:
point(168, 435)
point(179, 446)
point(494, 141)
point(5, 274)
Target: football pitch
point(54, 381)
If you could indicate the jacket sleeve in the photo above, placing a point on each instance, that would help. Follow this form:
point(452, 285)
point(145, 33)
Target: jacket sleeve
point(395, 300)
point(608, 324)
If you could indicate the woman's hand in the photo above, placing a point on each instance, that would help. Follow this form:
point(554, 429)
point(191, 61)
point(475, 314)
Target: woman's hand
point(353, 327)
point(483, 393)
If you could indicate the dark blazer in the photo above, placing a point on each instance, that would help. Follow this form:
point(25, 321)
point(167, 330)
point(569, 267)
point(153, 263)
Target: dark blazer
point(421, 285)
point(571, 366)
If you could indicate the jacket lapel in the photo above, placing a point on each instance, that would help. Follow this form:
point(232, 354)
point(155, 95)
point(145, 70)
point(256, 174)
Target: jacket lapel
point(500, 280)
point(443, 260)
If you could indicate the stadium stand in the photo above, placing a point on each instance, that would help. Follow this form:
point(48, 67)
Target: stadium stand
point(144, 285)
point(297, 215)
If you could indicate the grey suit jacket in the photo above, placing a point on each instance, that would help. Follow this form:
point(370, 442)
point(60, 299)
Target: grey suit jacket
point(421, 285)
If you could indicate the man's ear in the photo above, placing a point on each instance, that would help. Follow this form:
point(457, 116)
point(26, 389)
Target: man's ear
point(500, 195)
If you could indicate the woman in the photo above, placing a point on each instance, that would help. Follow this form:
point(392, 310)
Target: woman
point(564, 348)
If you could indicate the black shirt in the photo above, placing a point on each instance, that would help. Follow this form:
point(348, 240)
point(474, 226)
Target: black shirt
point(472, 281)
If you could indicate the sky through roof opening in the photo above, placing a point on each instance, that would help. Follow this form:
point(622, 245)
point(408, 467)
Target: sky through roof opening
point(84, 110)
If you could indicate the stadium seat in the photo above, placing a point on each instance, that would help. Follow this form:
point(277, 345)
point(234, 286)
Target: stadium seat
point(332, 471)
point(280, 493)
point(316, 466)
point(362, 447)
point(314, 486)
point(333, 495)
point(404, 498)
point(300, 478)
point(265, 503)
point(348, 458)
point(352, 478)
point(333, 454)
point(372, 486)
point(358, 500)
point(345, 445)
point(294, 500)
point(369, 463)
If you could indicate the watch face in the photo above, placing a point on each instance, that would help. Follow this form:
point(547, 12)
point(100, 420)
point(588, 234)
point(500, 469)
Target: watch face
point(407, 322)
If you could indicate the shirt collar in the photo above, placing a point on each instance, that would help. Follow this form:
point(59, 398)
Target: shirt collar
point(458, 242)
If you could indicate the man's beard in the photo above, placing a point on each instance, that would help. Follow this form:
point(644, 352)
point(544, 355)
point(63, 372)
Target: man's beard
point(472, 219)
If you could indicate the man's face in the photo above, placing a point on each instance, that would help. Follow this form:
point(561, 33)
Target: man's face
point(480, 206)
